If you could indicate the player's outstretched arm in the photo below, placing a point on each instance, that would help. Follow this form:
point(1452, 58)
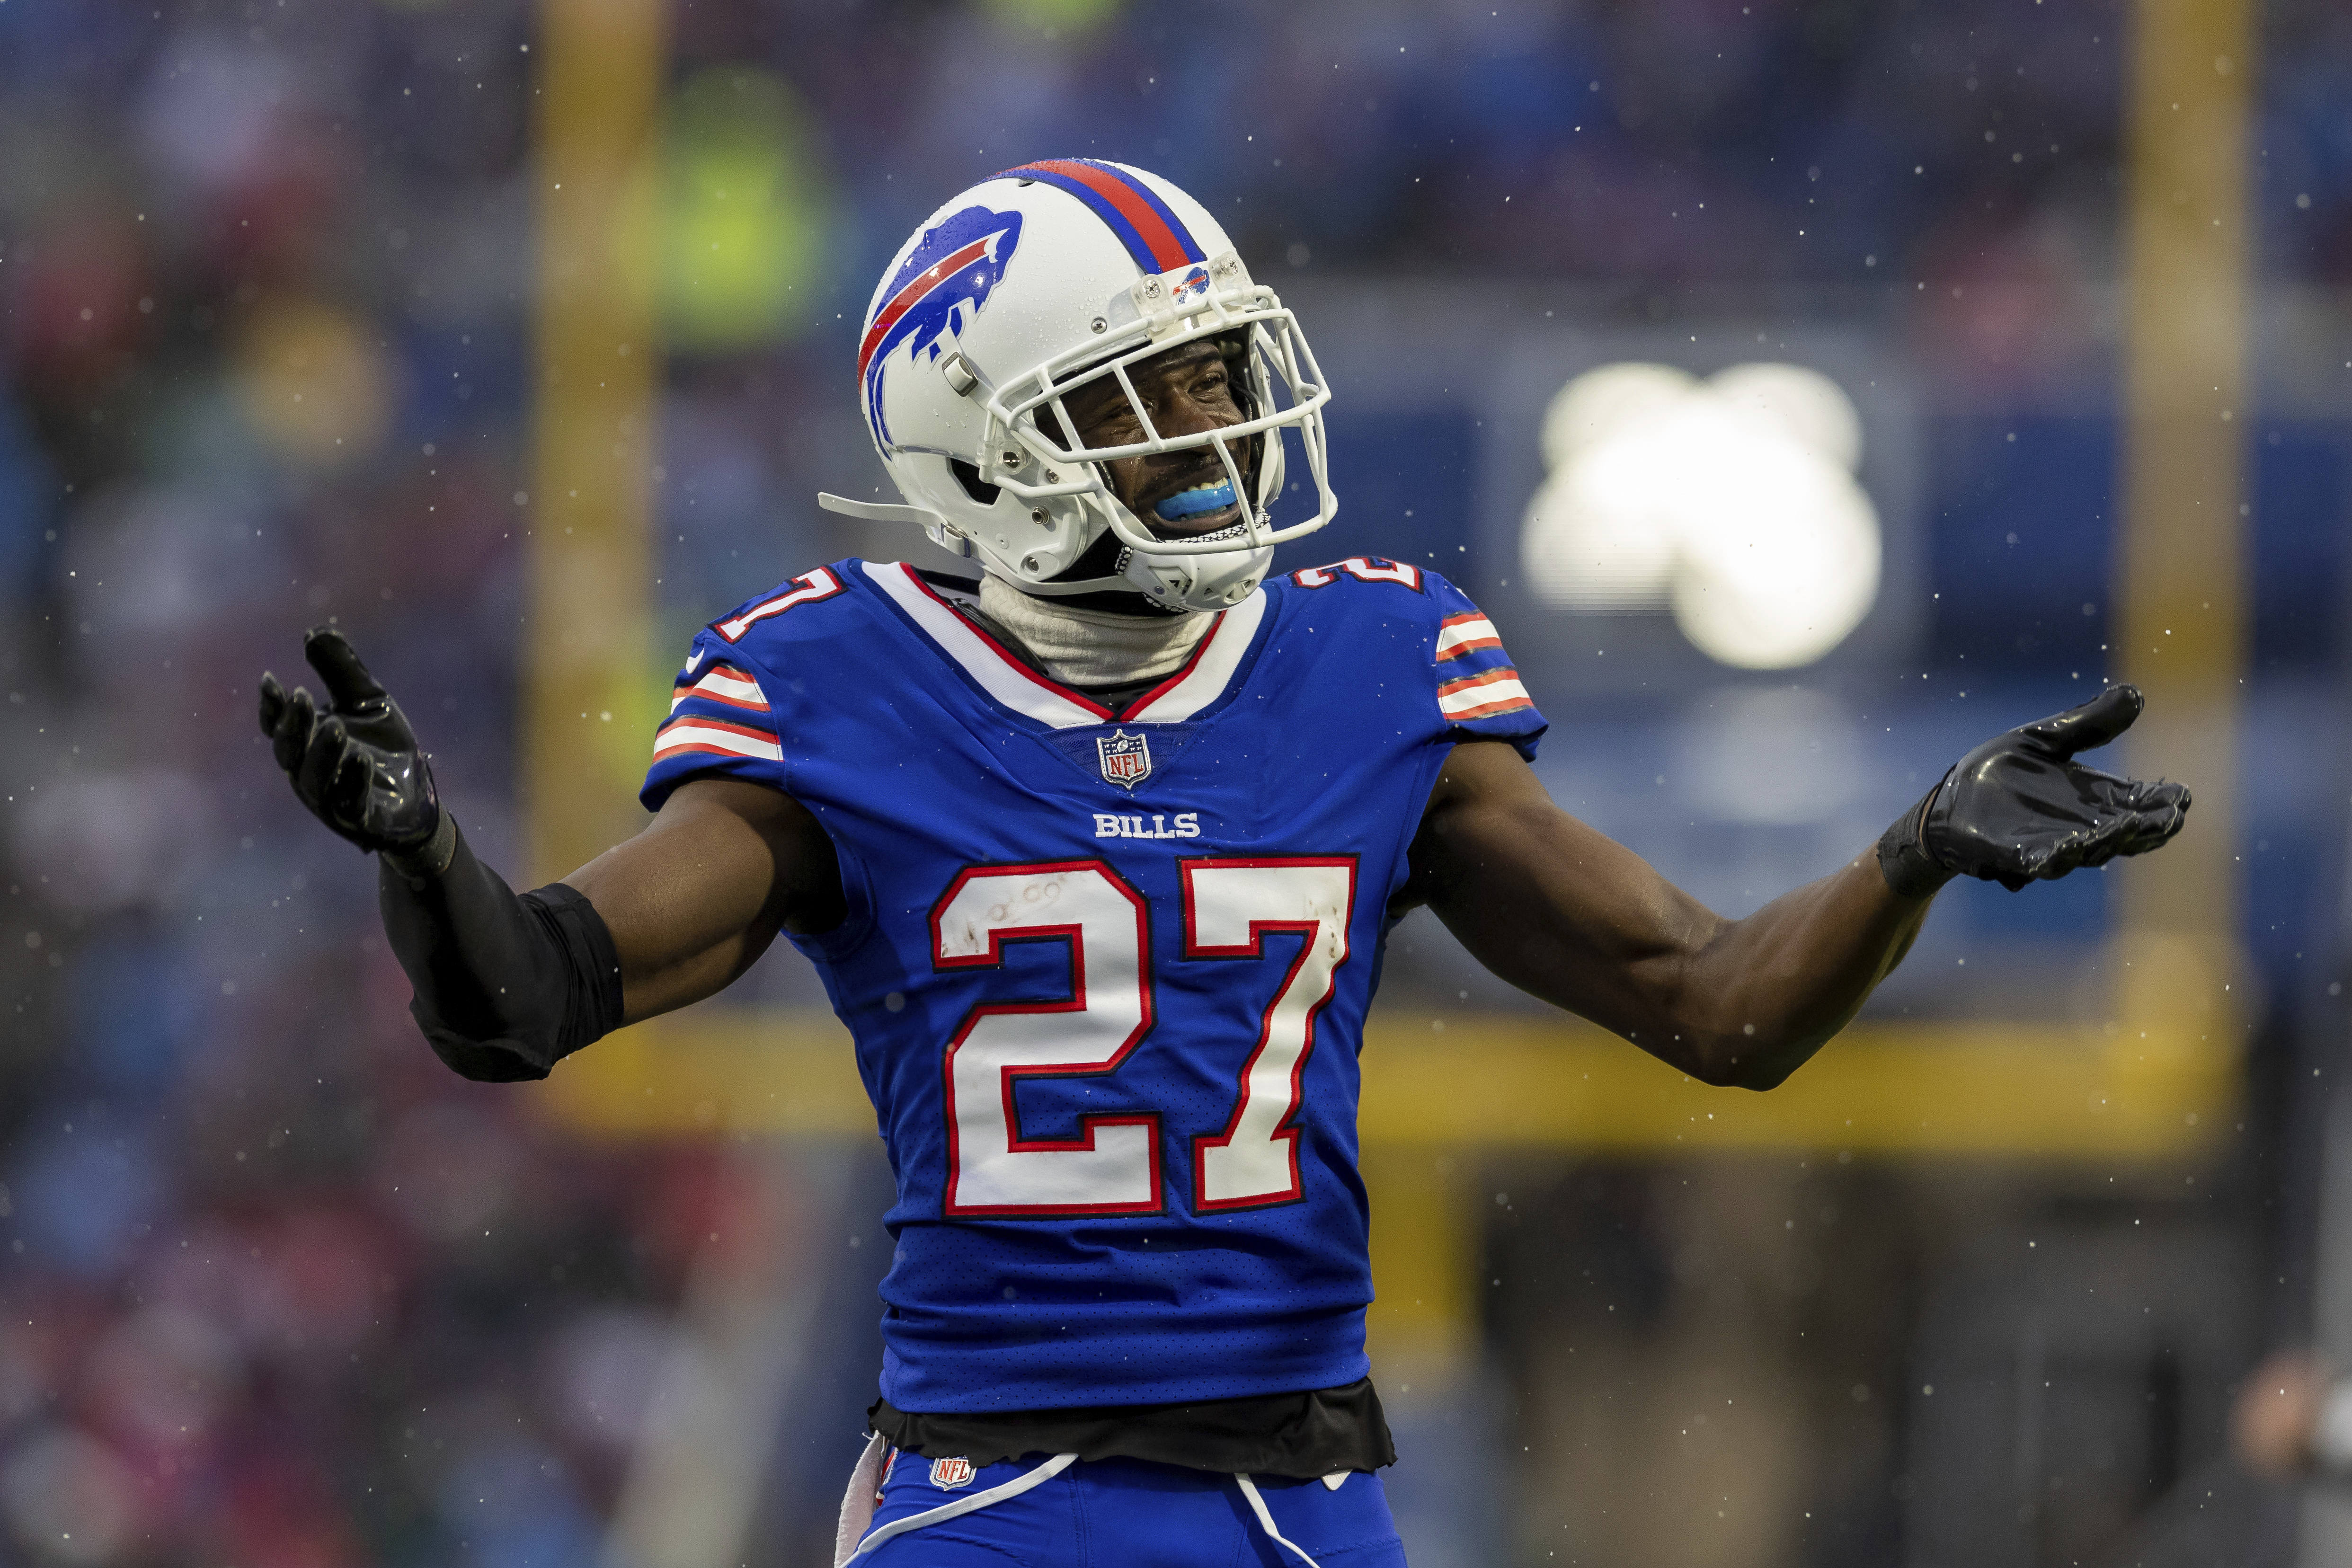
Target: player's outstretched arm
point(507, 984)
point(1564, 913)
point(697, 897)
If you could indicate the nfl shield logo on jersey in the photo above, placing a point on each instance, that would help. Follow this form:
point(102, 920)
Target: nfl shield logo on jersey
point(1126, 758)
point(948, 1474)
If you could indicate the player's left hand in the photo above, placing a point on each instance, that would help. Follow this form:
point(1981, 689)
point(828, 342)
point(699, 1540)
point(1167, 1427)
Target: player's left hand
point(2020, 809)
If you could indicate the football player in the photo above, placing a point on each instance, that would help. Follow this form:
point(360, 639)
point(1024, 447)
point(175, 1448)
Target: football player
point(1095, 856)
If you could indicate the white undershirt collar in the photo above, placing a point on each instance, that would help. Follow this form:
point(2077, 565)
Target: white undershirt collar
point(1092, 647)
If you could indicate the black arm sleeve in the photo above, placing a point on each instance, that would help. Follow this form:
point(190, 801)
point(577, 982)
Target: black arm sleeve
point(506, 986)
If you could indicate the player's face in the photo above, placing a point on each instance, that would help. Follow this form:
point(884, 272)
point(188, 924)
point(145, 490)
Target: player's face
point(1187, 390)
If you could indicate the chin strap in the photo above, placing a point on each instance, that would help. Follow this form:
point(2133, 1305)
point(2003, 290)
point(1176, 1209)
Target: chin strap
point(1057, 589)
point(885, 512)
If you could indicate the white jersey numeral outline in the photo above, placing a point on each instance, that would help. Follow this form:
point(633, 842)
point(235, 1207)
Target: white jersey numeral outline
point(1230, 906)
point(1113, 1166)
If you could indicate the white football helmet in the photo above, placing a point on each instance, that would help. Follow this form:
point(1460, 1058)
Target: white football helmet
point(1041, 280)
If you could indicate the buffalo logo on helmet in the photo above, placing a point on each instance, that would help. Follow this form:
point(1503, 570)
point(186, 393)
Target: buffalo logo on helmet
point(936, 293)
point(948, 1475)
point(1193, 285)
point(1126, 758)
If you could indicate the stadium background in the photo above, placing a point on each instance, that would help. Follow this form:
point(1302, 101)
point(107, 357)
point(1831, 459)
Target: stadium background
point(516, 341)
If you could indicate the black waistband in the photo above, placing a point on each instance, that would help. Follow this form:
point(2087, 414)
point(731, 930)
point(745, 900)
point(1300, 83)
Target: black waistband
point(1302, 1435)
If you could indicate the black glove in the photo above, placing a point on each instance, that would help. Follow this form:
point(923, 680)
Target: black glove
point(357, 765)
point(2018, 808)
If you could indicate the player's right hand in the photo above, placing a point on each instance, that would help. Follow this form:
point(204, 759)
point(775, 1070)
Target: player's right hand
point(354, 763)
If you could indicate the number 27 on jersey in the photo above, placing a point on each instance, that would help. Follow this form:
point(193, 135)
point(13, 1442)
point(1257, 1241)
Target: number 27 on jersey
point(1230, 906)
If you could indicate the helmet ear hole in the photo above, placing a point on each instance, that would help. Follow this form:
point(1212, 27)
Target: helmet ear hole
point(969, 477)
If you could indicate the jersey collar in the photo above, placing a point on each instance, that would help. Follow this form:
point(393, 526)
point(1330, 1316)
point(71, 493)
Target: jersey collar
point(1202, 681)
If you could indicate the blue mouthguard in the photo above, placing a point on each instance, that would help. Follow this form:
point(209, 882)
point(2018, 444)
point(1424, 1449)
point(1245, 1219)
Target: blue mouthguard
point(1192, 503)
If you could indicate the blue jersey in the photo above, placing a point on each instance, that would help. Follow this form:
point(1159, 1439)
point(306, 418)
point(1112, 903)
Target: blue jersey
point(1108, 975)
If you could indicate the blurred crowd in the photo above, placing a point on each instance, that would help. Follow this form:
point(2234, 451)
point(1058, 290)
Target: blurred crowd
point(277, 1289)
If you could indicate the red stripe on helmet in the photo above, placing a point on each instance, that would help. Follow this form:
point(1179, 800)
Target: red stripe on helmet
point(1168, 250)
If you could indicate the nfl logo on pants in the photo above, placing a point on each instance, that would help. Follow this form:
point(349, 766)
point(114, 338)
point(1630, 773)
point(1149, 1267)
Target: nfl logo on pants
point(948, 1474)
point(1126, 758)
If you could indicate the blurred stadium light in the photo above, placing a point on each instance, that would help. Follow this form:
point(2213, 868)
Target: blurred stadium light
point(1732, 500)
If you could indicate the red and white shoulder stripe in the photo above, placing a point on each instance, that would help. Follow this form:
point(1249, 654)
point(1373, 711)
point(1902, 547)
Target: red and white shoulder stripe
point(721, 683)
point(1466, 633)
point(1483, 695)
point(694, 733)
